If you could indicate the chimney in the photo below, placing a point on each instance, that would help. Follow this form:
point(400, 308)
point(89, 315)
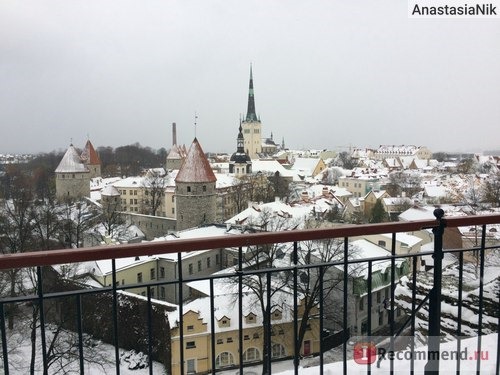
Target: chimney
point(174, 134)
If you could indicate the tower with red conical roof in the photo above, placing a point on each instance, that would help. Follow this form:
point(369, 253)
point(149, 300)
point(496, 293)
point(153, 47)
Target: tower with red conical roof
point(91, 160)
point(195, 193)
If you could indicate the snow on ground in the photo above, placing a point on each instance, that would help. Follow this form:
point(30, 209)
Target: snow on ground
point(102, 354)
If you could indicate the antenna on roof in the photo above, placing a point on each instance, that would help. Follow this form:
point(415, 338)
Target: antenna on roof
point(71, 141)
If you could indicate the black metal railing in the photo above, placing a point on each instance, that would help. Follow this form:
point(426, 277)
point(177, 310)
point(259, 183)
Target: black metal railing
point(43, 293)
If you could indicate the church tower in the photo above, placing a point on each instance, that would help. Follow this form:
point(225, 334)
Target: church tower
point(240, 163)
point(252, 126)
point(195, 194)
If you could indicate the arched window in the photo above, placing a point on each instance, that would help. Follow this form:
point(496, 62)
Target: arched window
point(278, 351)
point(224, 359)
point(251, 354)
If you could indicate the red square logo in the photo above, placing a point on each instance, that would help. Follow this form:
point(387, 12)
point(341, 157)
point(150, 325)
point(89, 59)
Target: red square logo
point(365, 352)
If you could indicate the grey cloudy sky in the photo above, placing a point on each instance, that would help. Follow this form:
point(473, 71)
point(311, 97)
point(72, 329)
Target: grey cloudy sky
point(327, 74)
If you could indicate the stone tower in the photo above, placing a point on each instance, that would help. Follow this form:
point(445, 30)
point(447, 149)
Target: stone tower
point(252, 127)
point(195, 193)
point(91, 160)
point(72, 177)
point(240, 163)
point(110, 200)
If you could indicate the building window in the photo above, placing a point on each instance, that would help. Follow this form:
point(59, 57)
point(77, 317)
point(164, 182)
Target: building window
point(135, 192)
point(251, 354)
point(191, 366)
point(220, 341)
point(190, 344)
point(255, 335)
point(162, 272)
point(139, 277)
point(229, 340)
point(190, 268)
point(189, 189)
point(378, 296)
point(224, 359)
point(199, 265)
point(173, 198)
point(173, 210)
point(246, 337)
point(135, 201)
point(131, 201)
point(130, 192)
point(361, 304)
point(152, 273)
point(162, 292)
point(152, 292)
point(277, 351)
point(190, 328)
point(381, 243)
point(217, 260)
point(208, 262)
point(204, 187)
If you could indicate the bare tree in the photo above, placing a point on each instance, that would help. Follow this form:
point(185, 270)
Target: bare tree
point(77, 218)
point(154, 192)
point(264, 257)
point(404, 182)
point(491, 190)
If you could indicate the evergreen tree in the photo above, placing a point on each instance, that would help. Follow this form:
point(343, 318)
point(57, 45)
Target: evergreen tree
point(378, 214)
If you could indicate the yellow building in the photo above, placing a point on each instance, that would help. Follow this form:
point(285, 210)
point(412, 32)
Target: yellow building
point(198, 329)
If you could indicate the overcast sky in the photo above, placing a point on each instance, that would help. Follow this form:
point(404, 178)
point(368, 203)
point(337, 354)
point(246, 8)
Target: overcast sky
point(327, 74)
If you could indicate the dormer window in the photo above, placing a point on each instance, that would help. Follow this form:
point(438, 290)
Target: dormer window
point(224, 322)
point(276, 315)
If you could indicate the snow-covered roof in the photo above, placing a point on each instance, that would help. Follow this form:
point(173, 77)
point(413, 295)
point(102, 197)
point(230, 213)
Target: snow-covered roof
point(110, 191)
point(270, 166)
point(71, 162)
point(225, 300)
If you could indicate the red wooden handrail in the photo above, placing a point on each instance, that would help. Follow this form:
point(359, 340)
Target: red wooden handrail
point(51, 257)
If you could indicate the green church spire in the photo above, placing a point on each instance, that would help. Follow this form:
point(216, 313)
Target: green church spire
point(251, 115)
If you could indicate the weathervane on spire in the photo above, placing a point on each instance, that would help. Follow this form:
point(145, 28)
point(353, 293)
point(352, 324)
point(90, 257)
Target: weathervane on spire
point(195, 119)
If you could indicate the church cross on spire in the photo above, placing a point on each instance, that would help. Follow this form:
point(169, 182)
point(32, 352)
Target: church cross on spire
point(251, 115)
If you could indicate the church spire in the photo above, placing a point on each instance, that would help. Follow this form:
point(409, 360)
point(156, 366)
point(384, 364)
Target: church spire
point(251, 115)
point(240, 140)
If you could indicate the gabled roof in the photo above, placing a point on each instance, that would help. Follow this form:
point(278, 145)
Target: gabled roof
point(89, 155)
point(71, 162)
point(195, 167)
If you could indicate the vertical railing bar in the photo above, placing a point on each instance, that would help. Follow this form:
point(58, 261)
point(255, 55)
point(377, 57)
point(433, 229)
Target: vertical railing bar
point(268, 318)
point(369, 287)
point(413, 313)
point(42, 319)
point(212, 325)
point(498, 342)
point(80, 332)
point(459, 306)
point(321, 314)
point(181, 313)
point(296, 346)
point(344, 330)
point(115, 317)
point(391, 312)
point(240, 307)
point(481, 300)
point(4, 340)
point(433, 347)
point(150, 329)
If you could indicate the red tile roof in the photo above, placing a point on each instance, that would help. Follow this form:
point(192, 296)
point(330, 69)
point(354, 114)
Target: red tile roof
point(89, 154)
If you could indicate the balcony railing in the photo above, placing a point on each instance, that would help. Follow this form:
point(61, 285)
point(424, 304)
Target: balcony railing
point(42, 294)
